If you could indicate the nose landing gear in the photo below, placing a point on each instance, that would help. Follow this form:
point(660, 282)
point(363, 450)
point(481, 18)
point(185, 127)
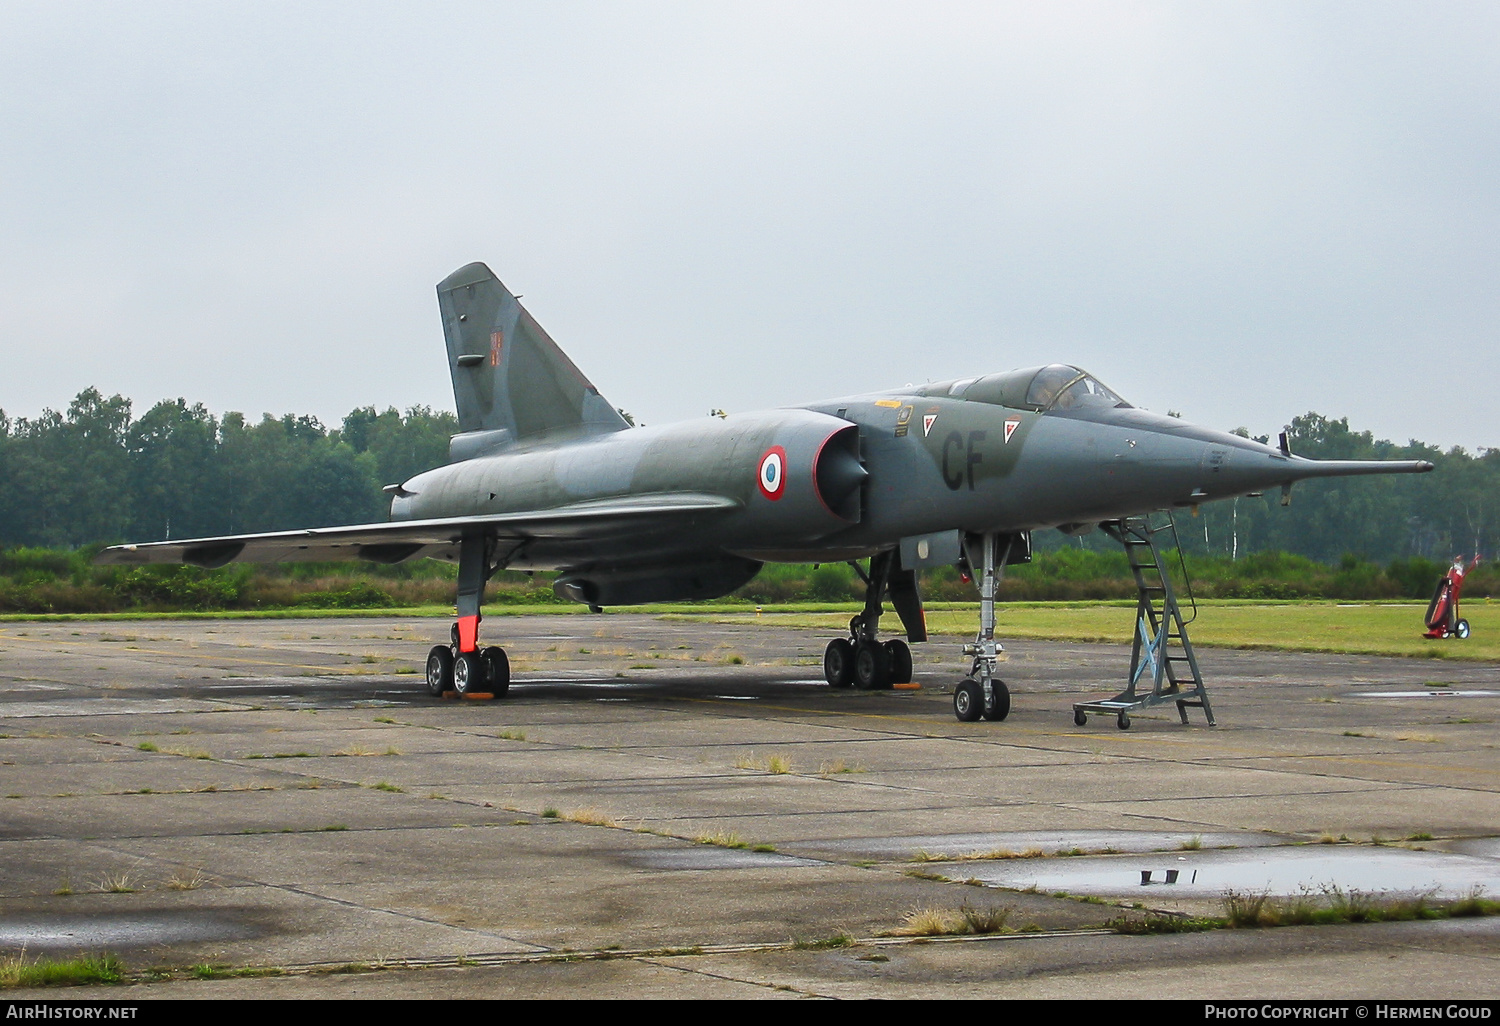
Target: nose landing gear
point(982, 694)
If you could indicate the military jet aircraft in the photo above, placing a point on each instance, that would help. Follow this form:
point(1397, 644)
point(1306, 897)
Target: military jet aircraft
point(545, 474)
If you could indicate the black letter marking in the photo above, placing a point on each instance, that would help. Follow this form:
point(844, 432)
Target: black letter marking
point(955, 440)
point(973, 458)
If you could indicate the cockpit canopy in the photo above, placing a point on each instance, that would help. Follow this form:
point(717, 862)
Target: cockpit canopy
point(1060, 387)
point(1056, 386)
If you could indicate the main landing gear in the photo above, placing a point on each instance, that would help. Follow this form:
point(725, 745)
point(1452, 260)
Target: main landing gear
point(482, 671)
point(461, 665)
point(982, 694)
point(861, 659)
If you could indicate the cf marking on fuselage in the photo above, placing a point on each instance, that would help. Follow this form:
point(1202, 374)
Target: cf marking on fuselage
point(955, 478)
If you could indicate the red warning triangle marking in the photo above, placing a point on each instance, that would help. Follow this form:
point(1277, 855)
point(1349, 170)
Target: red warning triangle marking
point(1011, 424)
point(927, 422)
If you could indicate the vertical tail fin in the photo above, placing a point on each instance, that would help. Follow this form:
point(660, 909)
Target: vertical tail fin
point(508, 375)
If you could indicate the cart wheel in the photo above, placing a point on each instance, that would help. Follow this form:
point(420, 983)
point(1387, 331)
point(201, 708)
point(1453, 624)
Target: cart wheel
point(1080, 718)
point(1461, 629)
point(1124, 721)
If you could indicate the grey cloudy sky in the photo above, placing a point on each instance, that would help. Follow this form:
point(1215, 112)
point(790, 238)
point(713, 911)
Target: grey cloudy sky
point(1242, 211)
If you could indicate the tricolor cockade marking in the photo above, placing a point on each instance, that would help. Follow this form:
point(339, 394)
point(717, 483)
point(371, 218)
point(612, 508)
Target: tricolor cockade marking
point(772, 474)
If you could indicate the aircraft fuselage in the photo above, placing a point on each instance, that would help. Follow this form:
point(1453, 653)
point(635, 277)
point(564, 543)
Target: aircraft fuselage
point(857, 475)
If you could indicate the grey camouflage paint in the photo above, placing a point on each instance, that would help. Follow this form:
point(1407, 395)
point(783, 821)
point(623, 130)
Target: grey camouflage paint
point(551, 473)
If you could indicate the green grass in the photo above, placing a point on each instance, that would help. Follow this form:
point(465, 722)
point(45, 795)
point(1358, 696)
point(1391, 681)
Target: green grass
point(1332, 905)
point(1158, 923)
point(65, 972)
point(951, 922)
point(722, 839)
point(1324, 626)
point(206, 971)
point(1373, 628)
point(838, 940)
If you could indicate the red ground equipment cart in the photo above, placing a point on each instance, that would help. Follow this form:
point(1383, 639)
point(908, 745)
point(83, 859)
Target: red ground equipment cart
point(1442, 613)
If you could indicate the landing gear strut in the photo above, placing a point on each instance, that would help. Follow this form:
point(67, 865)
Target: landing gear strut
point(461, 665)
point(982, 693)
point(862, 659)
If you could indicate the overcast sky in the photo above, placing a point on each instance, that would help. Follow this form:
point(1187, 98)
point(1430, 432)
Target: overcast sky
point(1239, 211)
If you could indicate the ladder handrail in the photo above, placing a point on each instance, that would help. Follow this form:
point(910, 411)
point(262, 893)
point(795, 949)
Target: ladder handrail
point(1182, 562)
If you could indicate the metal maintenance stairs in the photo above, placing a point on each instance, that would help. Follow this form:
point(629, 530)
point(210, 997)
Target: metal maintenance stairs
point(1161, 646)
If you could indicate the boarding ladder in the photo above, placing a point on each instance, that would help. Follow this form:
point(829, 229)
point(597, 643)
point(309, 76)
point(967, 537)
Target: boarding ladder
point(1160, 651)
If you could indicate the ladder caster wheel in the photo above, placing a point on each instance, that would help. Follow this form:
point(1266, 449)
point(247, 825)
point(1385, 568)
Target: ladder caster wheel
point(1080, 718)
point(1124, 721)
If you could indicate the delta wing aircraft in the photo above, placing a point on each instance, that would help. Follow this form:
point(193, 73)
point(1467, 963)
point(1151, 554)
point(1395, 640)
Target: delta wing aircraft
point(546, 475)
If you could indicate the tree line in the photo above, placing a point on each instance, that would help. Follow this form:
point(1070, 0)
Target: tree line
point(94, 474)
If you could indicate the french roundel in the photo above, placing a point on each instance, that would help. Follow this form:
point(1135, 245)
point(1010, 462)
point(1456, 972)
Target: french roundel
point(771, 476)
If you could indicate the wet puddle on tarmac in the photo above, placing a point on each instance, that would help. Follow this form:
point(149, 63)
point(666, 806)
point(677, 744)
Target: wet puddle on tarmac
point(707, 857)
point(105, 707)
point(1435, 693)
point(74, 932)
point(1287, 870)
point(1135, 863)
point(1046, 842)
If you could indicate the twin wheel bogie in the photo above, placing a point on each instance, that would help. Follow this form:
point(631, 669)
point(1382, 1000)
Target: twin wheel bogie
point(973, 701)
point(485, 671)
point(867, 664)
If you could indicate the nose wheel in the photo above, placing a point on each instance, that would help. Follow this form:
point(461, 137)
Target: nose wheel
point(981, 700)
point(982, 694)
